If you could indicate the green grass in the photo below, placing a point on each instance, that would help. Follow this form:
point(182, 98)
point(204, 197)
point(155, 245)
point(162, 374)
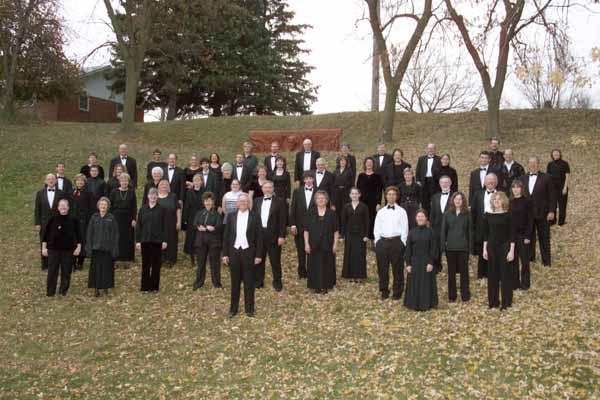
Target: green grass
point(348, 344)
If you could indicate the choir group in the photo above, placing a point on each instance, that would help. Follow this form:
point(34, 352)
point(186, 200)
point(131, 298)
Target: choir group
point(239, 213)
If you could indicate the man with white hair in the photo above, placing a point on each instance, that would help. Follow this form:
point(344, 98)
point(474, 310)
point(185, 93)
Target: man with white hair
point(306, 160)
point(128, 163)
point(46, 206)
point(324, 180)
point(480, 206)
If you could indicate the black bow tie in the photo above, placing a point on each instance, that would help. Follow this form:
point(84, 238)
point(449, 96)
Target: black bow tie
point(307, 152)
point(60, 177)
point(273, 155)
point(171, 168)
point(490, 192)
point(391, 207)
point(267, 199)
point(308, 189)
point(531, 174)
point(445, 193)
point(51, 190)
point(239, 166)
point(123, 158)
point(320, 172)
point(430, 157)
point(483, 169)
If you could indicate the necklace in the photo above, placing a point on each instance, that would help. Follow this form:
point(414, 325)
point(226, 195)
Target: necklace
point(121, 194)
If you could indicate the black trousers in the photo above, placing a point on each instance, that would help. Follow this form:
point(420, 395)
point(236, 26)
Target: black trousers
point(561, 204)
point(211, 250)
point(59, 261)
point(426, 193)
point(299, 240)
point(541, 231)
point(458, 263)
point(151, 264)
point(482, 264)
point(521, 268)
point(500, 277)
point(241, 265)
point(390, 252)
point(274, 252)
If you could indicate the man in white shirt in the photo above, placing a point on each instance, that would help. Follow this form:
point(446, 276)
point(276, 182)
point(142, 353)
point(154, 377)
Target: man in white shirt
point(46, 206)
point(390, 232)
point(242, 246)
point(62, 182)
point(272, 158)
point(481, 205)
point(439, 205)
point(305, 161)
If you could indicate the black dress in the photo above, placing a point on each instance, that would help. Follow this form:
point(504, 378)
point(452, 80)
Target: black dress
point(171, 205)
point(81, 209)
point(217, 170)
point(193, 203)
point(189, 173)
point(102, 244)
point(356, 225)
point(421, 286)
point(256, 189)
point(558, 170)
point(281, 184)
point(97, 188)
point(321, 260)
point(410, 200)
point(499, 233)
point(370, 187)
point(123, 206)
point(341, 188)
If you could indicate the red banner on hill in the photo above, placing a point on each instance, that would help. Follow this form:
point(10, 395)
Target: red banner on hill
point(323, 139)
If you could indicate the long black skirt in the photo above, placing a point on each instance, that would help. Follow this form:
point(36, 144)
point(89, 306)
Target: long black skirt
point(126, 235)
point(421, 289)
point(102, 270)
point(411, 213)
point(190, 239)
point(355, 257)
point(170, 253)
point(321, 269)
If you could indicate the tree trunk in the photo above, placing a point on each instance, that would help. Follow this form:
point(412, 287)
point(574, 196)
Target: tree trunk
point(8, 97)
point(131, 86)
point(389, 113)
point(493, 115)
point(172, 112)
point(375, 72)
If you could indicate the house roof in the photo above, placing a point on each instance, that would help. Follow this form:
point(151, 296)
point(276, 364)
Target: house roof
point(87, 71)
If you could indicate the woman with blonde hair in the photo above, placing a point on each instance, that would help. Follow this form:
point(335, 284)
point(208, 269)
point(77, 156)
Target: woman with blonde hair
point(102, 244)
point(499, 251)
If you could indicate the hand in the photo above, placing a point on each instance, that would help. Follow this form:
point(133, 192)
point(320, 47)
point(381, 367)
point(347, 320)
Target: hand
point(163, 246)
point(485, 254)
point(201, 228)
point(220, 210)
point(138, 246)
point(365, 239)
point(510, 256)
point(45, 252)
point(333, 208)
point(526, 241)
point(334, 249)
point(429, 267)
point(189, 185)
point(257, 260)
point(133, 223)
point(307, 248)
point(550, 216)
point(377, 207)
point(178, 226)
point(226, 260)
point(38, 228)
point(565, 191)
point(77, 250)
point(294, 230)
point(280, 241)
point(408, 269)
point(210, 228)
point(297, 184)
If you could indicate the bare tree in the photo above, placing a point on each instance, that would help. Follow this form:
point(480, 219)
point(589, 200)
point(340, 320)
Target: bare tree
point(435, 82)
point(375, 63)
point(381, 22)
point(132, 24)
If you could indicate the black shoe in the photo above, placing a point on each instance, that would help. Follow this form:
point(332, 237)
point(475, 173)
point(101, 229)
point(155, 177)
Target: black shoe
point(97, 293)
point(259, 285)
point(250, 314)
point(106, 292)
point(278, 287)
point(219, 286)
point(396, 297)
point(231, 314)
point(196, 287)
point(385, 295)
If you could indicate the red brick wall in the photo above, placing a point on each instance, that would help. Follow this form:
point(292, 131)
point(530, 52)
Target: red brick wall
point(100, 110)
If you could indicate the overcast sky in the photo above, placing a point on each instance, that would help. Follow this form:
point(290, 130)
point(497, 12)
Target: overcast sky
point(340, 48)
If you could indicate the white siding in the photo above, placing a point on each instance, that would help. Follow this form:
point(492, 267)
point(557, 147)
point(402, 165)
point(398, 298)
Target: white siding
point(97, 86)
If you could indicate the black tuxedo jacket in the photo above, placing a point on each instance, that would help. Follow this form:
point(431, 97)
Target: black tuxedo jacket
point(177, 183)
point(422, 168)
point(43, 211)
point(245, 179)
point(212, 184)
point(253, 234)
point(267, 163)
point(477, 215)
point(299, 167)
point(543, 196)
point(67, 185)
point(437, 215)
point(298, 210)
point(475, 183)
point(508, 177)
point(276, 224)
point(327, 184)
point(380, 168)
point(130, 168)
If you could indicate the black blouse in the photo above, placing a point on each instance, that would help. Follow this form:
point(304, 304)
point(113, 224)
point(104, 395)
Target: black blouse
point(521, 212)
point(356, 220)
point(282, 184)
point(498, 229)
point(343, 179)
point(321, 229)
point(151, 225)
point(410, 194)
point(558, 169)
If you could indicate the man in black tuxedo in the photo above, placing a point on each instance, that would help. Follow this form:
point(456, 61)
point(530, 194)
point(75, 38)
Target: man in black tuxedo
point(481, 205)
point(271, 158)
point(440, 202)
point(62, 182)
point(306, 160)
point(538, 186)
point(176, 178)
point(242, 173)
point(46, 206)
point(427, 167)
point(129, 164)
point(242, 247)
point(345, 151)
point(273, 215)
point(210, 179)
point(382, 159)
point(477, 178)
point(324, 180)
point(302, 203)
point(496, 156)
point(510, 171)
point(92, 161)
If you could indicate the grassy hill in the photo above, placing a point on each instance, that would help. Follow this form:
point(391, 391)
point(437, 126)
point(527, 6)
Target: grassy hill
point(348, 344)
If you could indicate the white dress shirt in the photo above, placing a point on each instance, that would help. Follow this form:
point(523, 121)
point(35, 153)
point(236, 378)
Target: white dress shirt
point(532, 181)
point(319, 177)
point(205, 176)
point(308, 194)
point(380, 161)
point(124, 161)
point(482, 174)
point(273, 159)
point(508, 165)
point(60, 182)
point(239, 171)
point(487, 204)
point(429, 166)
point(264, 210)
point(306, 163)
point(170, 173)
point(444, 200)
point(241, 241)
point(390, 223)
point(50, 194)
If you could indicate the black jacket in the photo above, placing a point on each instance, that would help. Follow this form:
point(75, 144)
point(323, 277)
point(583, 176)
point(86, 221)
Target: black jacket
point(543, 197)
point(299, 166)
point(421, 171)
point(267, 162)
point(67, 184)
point(516, 171)
point(245, 179)
point(299, 210)
point(177, 183)
point(457, 232)
point(437, 215)
point(253, 234)
point(327, 184)
point(475, 182)
point(477, 216)
point(394, 174)
point(130, 168)
point(205, 218)
point(380, 167)
point(151, 225)
point(43, 211)
point(276, 223)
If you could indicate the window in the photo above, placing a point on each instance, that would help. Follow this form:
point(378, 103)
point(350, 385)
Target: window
point(84, 103)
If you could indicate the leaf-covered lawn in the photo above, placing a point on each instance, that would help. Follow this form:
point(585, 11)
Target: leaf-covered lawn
point(347, 344)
